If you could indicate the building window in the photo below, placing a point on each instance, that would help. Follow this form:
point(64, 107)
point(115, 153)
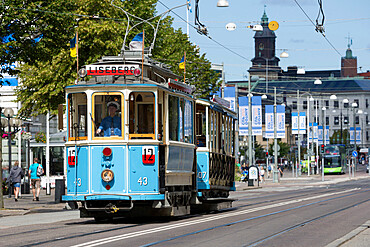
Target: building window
point(358, 103)
point(327, 103)
point(305, 104)
point(345, 105)
point(357, 119)
point(316, 119)
point(345, 120)
point(336, 104)
point(294, 105)
point(327, 122)
point(336, 120)
point(367, 135)
point(367, 103)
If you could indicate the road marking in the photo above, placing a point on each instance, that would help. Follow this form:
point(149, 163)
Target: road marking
point(199, 221)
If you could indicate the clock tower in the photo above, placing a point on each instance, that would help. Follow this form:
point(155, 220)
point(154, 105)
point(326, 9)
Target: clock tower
point(265, 62)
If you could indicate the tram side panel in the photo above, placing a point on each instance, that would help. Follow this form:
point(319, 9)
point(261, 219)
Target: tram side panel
point(203, 171)
point(77, 170)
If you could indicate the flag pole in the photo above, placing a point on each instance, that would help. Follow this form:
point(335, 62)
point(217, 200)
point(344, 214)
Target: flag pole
point(184, 65)
point(77, 51)
point(142, 58)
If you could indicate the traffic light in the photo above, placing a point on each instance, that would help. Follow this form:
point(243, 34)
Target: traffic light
point(322, 150)
point(267, 154)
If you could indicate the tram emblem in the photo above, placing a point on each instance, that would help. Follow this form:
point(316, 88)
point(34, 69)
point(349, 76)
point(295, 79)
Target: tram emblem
point(148, 155)
point(71, 156)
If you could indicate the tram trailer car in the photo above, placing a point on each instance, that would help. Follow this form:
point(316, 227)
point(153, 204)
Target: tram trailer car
point(140, 144)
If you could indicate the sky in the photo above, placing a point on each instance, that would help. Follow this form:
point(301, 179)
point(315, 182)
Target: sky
point(296, 35)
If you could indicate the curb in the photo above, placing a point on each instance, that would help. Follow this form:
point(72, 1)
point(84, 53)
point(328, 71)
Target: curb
point(350, 235)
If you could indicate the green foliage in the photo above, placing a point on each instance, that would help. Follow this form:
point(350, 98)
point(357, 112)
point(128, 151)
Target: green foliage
point(284, 149)
point(46, 67)
point(335, 138)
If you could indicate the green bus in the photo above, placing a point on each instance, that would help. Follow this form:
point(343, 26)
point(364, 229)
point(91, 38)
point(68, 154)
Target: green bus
point(335, 159)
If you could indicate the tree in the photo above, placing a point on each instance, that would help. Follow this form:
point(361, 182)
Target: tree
point(284, 149)
point(38, 35)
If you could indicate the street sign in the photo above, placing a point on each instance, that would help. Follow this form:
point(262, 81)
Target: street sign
point(354, 154)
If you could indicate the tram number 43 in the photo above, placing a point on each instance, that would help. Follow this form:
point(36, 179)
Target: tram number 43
point(148, 155)
point(143, 181)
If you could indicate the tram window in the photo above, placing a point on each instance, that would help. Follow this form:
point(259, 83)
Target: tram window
point(188, 121)
point(201, 125)
point(77, 116)
point(107, 110)
point(173, 106)
point(142, 115)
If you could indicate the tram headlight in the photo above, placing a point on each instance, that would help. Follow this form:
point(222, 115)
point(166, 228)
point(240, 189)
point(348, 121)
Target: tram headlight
point(107, 175)
point(107, 151)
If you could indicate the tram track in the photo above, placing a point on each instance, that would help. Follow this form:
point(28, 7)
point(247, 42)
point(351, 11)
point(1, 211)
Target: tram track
point(269, 214)
point(217, 217)
point(76, 236)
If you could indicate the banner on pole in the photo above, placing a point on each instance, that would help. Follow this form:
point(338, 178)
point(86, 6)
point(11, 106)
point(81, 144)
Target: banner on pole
point(256, 115)
point(229, 95)
point(320, 132)
point(310, 133)
point(280, 110)
point(302, 123)
point(269, 121)
point(243, 116)
point(315, 133)
point(294, 122)
point(327, 139)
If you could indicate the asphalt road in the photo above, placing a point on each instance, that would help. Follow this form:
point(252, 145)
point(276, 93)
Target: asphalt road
point(281, 216)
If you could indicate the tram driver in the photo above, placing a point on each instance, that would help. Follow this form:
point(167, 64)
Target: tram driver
point(112, 123)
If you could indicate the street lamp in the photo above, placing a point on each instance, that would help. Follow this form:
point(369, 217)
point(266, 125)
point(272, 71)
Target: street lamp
point(222, 3)
point(317, 82)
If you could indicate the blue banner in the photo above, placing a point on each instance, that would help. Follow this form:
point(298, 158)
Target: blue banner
point(280, 110)
point(315, 133)
point(229, 95)
point(269, 121)
point(243, 116)
point(320, 135)
point(256, 115)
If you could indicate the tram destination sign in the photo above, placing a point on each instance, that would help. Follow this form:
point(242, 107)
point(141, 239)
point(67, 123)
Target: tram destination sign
point(111, 69)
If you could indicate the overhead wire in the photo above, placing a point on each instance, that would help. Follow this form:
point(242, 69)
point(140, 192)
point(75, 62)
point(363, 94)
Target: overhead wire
point(316, 26)
point(223, 46)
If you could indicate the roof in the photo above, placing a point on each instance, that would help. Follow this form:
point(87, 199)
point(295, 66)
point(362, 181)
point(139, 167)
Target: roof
point(330, 86)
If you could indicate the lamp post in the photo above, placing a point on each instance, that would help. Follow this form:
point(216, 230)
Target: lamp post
point(354, 106)
point(324, 139)
point(8, 113)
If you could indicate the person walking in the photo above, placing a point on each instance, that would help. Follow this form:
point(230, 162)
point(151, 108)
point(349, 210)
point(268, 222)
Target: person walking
point(15, 176)
point(35, 179)
point(262, 172)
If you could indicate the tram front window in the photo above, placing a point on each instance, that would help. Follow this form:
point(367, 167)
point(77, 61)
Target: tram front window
point(142, 112)
point(107, 119)
point(77, 116)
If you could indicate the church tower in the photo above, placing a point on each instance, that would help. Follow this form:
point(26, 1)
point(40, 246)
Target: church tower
point(349, 63)
point(265, 62)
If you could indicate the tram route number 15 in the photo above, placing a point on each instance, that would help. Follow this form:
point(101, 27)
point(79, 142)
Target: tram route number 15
point(71, 156)
point(148, 155)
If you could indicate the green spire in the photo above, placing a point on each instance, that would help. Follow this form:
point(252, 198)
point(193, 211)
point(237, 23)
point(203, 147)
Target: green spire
point(264, 19)
point(349, 53)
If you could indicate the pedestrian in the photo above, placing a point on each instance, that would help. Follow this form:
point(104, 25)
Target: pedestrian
point(15, 176)
point(262, 172)
point(268, 171)
point(35, 179)
point(281, 169)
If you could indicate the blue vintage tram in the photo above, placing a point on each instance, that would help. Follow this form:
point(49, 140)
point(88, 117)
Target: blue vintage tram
point(140, 144)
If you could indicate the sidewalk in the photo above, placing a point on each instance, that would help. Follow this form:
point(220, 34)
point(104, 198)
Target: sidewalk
point(25, 205)
point(290, 181)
